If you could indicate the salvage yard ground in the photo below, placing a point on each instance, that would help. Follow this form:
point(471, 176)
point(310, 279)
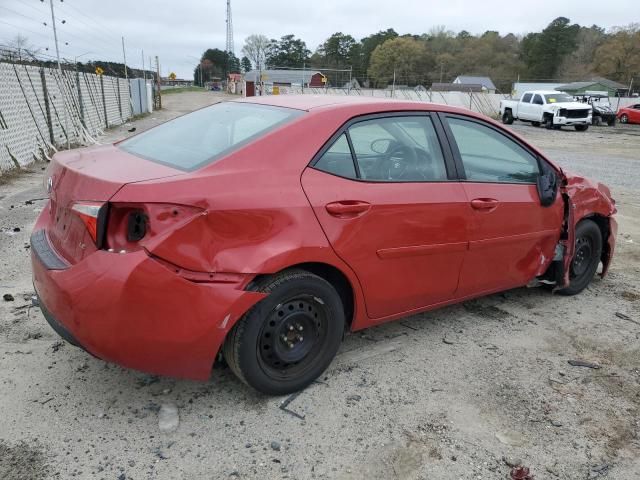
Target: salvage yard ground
point(458, 393)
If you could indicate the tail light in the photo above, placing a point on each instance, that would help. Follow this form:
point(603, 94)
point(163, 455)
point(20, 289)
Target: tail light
point(93, 215)
point(131, 225)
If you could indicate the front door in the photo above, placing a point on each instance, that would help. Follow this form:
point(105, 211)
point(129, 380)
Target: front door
point(512, 238)
point(384, 198)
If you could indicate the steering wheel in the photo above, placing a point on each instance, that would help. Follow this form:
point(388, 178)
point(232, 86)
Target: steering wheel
point(400, 163)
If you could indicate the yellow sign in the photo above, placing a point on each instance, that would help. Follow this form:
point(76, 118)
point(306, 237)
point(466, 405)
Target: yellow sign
point(275, 90)
point(172, 76)
point(99, 71)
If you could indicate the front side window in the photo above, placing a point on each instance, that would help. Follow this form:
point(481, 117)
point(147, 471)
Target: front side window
point(489, 156)
point(398, 149)
point(203, 136)
point(538, 100)
point(527, 98)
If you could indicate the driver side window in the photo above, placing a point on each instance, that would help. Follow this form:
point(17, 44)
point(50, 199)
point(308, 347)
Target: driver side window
point(398, 149)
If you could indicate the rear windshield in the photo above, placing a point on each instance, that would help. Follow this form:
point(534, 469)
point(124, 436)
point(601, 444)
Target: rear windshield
point(203, 136)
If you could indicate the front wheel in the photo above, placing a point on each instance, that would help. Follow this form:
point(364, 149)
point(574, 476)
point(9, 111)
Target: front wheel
point(586, 257)
point(535, 124)
point(290, 337)
point(624, 118)
point(507, 117)
point(581, 128)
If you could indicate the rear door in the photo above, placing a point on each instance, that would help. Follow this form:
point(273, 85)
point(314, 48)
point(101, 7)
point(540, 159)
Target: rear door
point(385, 193)
point(524, 107)
point(512, 237)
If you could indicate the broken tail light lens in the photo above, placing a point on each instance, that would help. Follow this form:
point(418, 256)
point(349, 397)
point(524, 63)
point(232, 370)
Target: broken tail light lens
point(93, 215)
point(131, 226)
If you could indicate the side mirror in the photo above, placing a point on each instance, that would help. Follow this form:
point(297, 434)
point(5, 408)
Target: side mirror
point(547, 186)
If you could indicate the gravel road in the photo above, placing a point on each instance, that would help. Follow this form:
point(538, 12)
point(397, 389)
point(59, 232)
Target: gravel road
point(459, 393)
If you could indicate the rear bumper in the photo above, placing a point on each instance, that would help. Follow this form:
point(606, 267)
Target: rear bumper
point(131, 310)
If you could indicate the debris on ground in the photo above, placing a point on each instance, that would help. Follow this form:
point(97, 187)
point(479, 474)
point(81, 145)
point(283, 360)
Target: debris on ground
point(511, 461)
point(7, 297)
point(168, 417)
point(627, 318)
point(582, 363)
point(275, 446)
point(521, 473)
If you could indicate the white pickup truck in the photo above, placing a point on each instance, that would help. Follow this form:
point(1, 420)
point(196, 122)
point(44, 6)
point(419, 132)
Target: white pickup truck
point(548, 107)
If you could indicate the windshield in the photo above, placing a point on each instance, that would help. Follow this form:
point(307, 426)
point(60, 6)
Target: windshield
point(558, 98)
point(203, 136)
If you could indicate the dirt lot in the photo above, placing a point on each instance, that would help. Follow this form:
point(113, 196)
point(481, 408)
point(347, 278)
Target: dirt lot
point(458, 393)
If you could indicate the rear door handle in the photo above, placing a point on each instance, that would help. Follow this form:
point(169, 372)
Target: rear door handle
point(485, 204)
point(347, 208)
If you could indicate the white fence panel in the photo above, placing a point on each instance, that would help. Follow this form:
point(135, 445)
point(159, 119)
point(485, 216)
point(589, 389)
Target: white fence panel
point(32, 111)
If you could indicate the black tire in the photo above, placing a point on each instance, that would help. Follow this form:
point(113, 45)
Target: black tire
point(548, 122)
point(612, 122)
point(597, 121)
point(624, 118)
point(290, 337)
point(586, 258)
point(581, 128)
point(535, 124)
point(507, 117)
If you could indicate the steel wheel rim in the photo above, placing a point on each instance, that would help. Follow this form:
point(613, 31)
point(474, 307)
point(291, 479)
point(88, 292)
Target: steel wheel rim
point(582, 257)
point(291, 336)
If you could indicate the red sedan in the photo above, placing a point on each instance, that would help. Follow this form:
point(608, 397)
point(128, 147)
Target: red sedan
point(630, 114)
point(263, 230)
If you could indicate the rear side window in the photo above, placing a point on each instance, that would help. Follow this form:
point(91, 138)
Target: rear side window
point(489, 156)
point(338, 160)
point(527, 98)
point(201, 137)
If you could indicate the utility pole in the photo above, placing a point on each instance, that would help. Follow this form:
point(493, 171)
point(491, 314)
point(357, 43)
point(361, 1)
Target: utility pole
point(144, 74)
point(393, 86)
point(159, 96)
point(55, 37)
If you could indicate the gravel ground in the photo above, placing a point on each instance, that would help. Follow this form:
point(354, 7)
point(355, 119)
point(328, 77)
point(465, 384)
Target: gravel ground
point(459, 393)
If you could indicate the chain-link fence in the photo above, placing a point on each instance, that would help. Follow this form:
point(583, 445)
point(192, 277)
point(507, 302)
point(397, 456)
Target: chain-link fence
point(41, 110)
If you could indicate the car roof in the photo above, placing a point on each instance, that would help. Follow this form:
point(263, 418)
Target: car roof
point(355, 104)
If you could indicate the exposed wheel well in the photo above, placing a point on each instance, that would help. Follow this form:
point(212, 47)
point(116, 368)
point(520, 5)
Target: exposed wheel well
point(332, 275)
point(603, 224)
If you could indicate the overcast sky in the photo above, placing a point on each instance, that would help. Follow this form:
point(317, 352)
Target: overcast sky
point(178, 31)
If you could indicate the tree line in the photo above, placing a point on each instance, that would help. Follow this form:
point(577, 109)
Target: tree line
point(562, 51)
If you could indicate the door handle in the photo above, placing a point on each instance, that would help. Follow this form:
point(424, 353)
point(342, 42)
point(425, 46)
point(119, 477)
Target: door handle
point(485, 204)
point(347, 208)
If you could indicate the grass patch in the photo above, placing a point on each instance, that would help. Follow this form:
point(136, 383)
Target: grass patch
point(172, 91)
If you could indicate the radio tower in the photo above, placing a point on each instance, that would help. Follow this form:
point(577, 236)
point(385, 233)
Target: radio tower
point(229, 29)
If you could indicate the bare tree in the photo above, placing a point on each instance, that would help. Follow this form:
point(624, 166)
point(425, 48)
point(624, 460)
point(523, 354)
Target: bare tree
point(21, 49)
point(255, 47)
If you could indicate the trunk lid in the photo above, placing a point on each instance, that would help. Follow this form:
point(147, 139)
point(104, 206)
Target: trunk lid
point(92, 175)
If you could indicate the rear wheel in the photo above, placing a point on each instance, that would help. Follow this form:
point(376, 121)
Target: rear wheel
point(535, 124)
point(289, 338)
point(586, 257)
point(624, 118)
point(507, 117)
point(581, 128)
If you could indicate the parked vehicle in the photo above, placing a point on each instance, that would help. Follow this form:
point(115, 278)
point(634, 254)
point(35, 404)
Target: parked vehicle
point(551, 108)
point(629, 114)
point(601, 110)
point(263, 230)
